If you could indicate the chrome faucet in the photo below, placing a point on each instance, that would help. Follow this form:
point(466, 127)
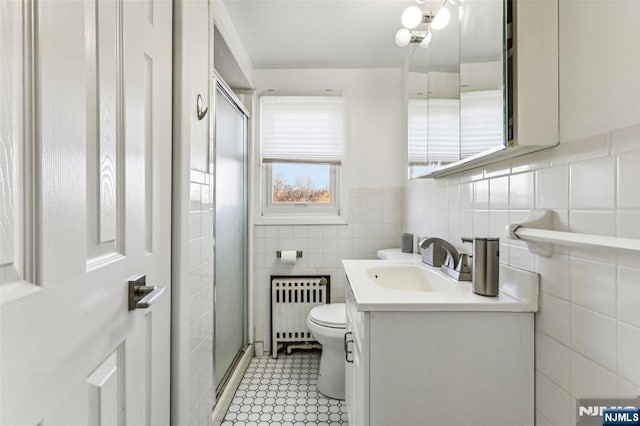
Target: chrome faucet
point(456, 264)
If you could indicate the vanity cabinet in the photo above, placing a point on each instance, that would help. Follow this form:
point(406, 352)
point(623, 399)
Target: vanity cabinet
point(438, 368)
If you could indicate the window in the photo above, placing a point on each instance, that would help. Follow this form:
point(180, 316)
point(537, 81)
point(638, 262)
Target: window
point(301, 139)
point(482, 117)
point(432, 134)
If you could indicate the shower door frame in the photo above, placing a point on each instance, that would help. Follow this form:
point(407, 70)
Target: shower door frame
point(221, 88)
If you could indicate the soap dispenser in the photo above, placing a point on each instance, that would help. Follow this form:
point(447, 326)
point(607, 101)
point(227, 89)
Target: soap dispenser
point(485, 271)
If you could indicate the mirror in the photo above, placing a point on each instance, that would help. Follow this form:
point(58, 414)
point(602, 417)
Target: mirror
point(484, 89)
point(434, 99)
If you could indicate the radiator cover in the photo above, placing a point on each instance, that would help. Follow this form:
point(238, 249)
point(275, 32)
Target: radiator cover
point(292, 298)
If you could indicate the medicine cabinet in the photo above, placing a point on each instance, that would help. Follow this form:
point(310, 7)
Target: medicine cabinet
point(486, 87)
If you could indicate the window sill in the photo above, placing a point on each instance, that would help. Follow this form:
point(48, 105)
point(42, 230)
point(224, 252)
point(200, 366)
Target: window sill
point(301, 220)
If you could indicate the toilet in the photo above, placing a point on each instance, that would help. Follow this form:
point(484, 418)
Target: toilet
point(327, 324)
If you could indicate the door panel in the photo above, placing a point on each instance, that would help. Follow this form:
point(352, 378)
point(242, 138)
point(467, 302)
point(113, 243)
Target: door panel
point(90, 164)
point(230, 232)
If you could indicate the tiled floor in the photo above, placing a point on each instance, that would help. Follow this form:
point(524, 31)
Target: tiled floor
point(283, 392)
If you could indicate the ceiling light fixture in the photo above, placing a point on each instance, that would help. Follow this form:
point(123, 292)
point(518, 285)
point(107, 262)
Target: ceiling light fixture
point(413, 17)
point(442, 19)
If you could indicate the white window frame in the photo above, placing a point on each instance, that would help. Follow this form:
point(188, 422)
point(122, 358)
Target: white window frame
point(302, 213)
point(269, 208)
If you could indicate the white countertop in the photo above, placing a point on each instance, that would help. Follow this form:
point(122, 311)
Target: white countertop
point(518, 291)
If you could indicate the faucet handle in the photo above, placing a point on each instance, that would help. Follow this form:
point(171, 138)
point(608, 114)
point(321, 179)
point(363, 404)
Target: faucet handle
point(463, 263)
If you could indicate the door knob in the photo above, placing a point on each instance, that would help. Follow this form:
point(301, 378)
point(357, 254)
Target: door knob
point(142, 295)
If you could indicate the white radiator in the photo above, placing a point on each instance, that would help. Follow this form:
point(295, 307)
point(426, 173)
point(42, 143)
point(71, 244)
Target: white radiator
point(291, 300)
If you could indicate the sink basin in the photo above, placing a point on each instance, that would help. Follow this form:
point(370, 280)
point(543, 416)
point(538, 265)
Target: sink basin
point(409, 277)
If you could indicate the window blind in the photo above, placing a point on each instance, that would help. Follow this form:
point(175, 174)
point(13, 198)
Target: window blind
point(433, 131)
point(482, 121)
point(302, 129)
point(418, 124)
point(444, 130)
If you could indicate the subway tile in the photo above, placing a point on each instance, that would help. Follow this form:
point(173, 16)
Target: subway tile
point(521, 191)
point(629, 353)
point(555, 404)
point(300, 232)
point(330, 245)
point(584, 149)
point(195, 200)
point(481, 195)
point(315, 232)
point(501, 168)
point(593, 285)
point(498, 220)
point(552, 188)
point(466, 196)
point(499, 193)
point(534, 161)
point(329, 231)
point(628, 224)
point(594, 336)
point(270, 231)
point(285, 232)
point(592, 184)
point(392, 216)
point(629, 179)
point(627, 139)
point(345, 232)
point(629, 295)
point(480, 223)
point(375, 215)
point(627, 390)
point(592, 222)
point(453, 197)
point(590, 380)
point(392, 198)
point(521, 257)
point(374, 200)
point(465, 223)
point(554, 318)
point(554, 274)
point(629, 259)
point(541, 420)
point(553, 359)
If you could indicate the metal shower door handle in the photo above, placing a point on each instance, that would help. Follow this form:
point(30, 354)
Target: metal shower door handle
point(141, 295)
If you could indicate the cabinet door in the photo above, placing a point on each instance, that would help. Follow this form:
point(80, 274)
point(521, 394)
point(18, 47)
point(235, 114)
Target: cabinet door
point(350, 381)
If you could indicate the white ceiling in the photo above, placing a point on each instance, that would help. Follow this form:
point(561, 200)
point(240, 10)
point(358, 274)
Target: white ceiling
point(320, 33)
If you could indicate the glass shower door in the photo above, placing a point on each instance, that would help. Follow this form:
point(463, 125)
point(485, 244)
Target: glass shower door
point(230, 335)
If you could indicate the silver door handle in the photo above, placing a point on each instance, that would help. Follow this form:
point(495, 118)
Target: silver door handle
point(200, 110)
point(142, 295)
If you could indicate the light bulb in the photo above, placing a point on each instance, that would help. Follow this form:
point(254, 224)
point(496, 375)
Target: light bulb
point(411, 17)
point(403, 37)
point(426, 40)
point(441, 20)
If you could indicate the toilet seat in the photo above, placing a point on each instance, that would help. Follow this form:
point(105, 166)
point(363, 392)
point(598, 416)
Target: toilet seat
point(332, 315)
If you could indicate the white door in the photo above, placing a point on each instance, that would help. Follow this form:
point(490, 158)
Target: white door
point(85, 192)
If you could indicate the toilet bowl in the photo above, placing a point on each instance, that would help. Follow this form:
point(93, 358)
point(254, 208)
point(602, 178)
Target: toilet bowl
point(327, 324)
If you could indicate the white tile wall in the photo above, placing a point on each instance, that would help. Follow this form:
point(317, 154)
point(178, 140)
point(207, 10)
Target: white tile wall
point(588, 326)
point(201, 386)
point(375, 216)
